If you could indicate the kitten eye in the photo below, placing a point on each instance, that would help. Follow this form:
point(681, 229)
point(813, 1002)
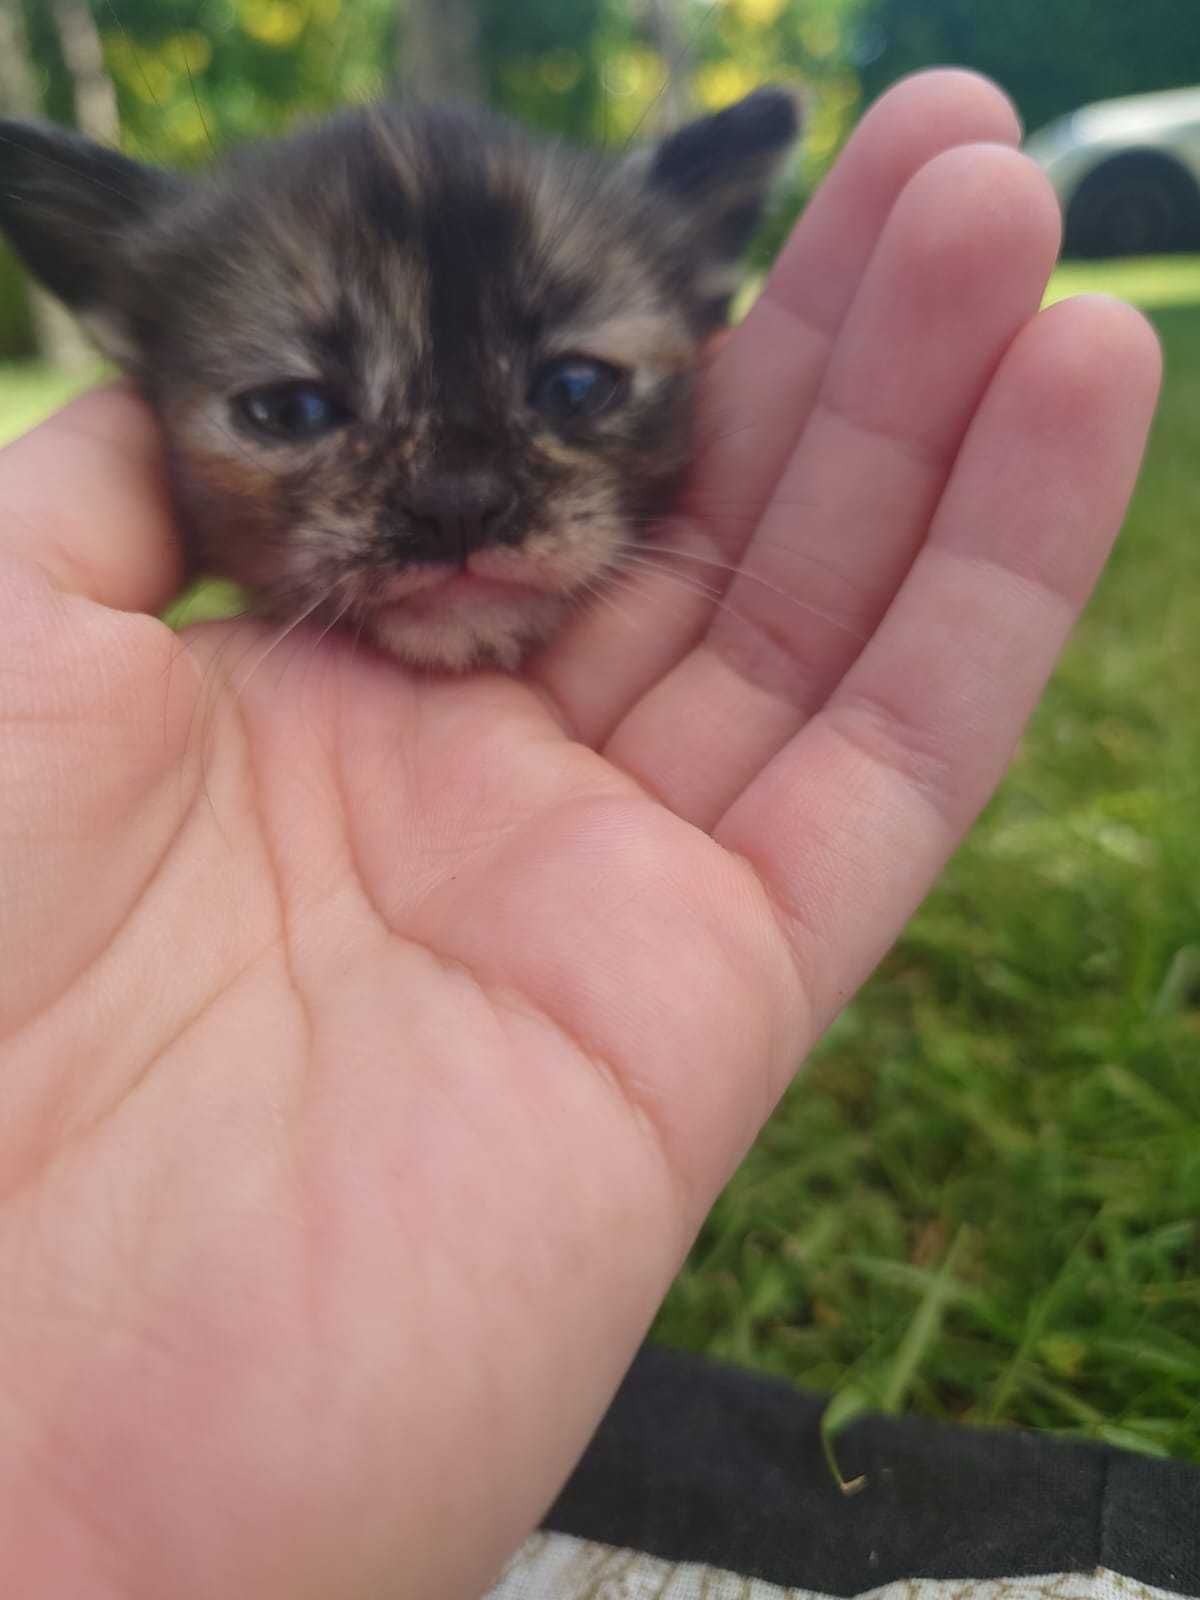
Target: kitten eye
point(294, 412)
point(575, 387)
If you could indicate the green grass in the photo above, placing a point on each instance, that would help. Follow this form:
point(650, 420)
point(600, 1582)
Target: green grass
point(1152, 282)
point(30, 393)
point(982, 1200)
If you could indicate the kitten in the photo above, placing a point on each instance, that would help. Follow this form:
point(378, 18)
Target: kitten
point(416, 370)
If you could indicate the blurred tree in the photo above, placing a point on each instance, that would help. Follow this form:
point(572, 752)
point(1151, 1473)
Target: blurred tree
point(544, 60)
point(670, 34)
point(20, 88)
point(1051, 55)
point(439, 49)
point(194, 76)
point(94, 100)
point(29, 319)
point(20, 96)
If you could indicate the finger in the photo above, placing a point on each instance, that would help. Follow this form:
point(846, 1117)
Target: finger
point(850, 824)
point(961, 267)
point(762, 383)
point(84, 498)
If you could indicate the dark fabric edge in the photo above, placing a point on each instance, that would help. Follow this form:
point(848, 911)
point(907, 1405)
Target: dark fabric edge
point(701, 1462)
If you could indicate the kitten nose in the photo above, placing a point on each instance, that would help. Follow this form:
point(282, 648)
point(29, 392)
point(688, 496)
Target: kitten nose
point(461, 511)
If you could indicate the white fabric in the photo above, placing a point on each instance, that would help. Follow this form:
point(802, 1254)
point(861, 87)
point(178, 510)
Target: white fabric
point(552, 1566)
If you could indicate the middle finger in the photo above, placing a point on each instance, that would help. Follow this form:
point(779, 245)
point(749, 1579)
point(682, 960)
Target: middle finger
point(961, 267)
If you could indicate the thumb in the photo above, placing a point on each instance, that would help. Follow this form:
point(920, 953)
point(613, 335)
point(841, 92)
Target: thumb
point(84, 498)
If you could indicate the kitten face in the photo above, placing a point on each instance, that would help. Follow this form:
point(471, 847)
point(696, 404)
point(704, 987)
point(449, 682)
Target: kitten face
point(415, 372)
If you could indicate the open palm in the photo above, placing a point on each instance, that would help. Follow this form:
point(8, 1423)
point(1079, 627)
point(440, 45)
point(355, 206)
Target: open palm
point(372, 1045)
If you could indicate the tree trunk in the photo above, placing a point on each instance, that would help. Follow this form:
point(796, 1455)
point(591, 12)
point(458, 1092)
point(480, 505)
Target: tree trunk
point(58, 339)
point(19, 95)
point(669, 35)
point(439, 49)
point(83, 55)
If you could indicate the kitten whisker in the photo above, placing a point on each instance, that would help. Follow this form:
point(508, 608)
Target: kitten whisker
point(136, 54)
point(322, 599)
point(187, 64)
point(692, 586)
point(808, 557)
point(66, 168)
point(215, 678)
point(335, 621)
point(358, 633)
point(707, 441)
point(643, 556)
point(204, 713)
point(686, 580)
point(629, 581)
point(693, 503)
point(672, 67)
point(601, 595)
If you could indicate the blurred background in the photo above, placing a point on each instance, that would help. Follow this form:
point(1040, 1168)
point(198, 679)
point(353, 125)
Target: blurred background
point(982, 1199)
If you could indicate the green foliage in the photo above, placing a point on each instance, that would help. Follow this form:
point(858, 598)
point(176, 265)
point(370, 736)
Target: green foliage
point(30, 391)
point(197, 75)
point(1051, 55)
point(982, 1200)
point(545, 63)
point(57, 90)
point(16, 321)
point(191, 74)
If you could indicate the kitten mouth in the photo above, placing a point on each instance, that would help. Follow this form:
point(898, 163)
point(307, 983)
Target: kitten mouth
point(454, 590)
point(457, 618)
point(488, 578)
point(489, 612)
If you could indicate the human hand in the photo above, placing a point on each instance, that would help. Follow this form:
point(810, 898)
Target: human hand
point(373, 1046)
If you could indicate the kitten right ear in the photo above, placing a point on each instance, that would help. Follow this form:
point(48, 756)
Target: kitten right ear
point(719, 170)
point(66, 203)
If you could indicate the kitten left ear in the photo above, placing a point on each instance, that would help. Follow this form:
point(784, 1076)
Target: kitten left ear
point(720, 168)
point(66, 206)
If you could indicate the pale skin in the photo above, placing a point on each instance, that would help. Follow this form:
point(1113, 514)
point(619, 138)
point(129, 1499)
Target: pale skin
point(373, 1046)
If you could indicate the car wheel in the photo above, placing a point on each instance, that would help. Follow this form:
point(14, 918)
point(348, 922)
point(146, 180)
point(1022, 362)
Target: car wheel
point(1137, 204)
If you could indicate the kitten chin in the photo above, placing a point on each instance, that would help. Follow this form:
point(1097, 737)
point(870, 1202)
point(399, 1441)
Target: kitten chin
point(419, 373)
point(469, 623)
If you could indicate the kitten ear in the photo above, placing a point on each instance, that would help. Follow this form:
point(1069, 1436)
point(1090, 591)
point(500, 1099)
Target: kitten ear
point(65, 206)
point(720, 168)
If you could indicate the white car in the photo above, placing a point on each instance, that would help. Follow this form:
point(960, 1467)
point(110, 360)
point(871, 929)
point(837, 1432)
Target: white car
point(1127, 174)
